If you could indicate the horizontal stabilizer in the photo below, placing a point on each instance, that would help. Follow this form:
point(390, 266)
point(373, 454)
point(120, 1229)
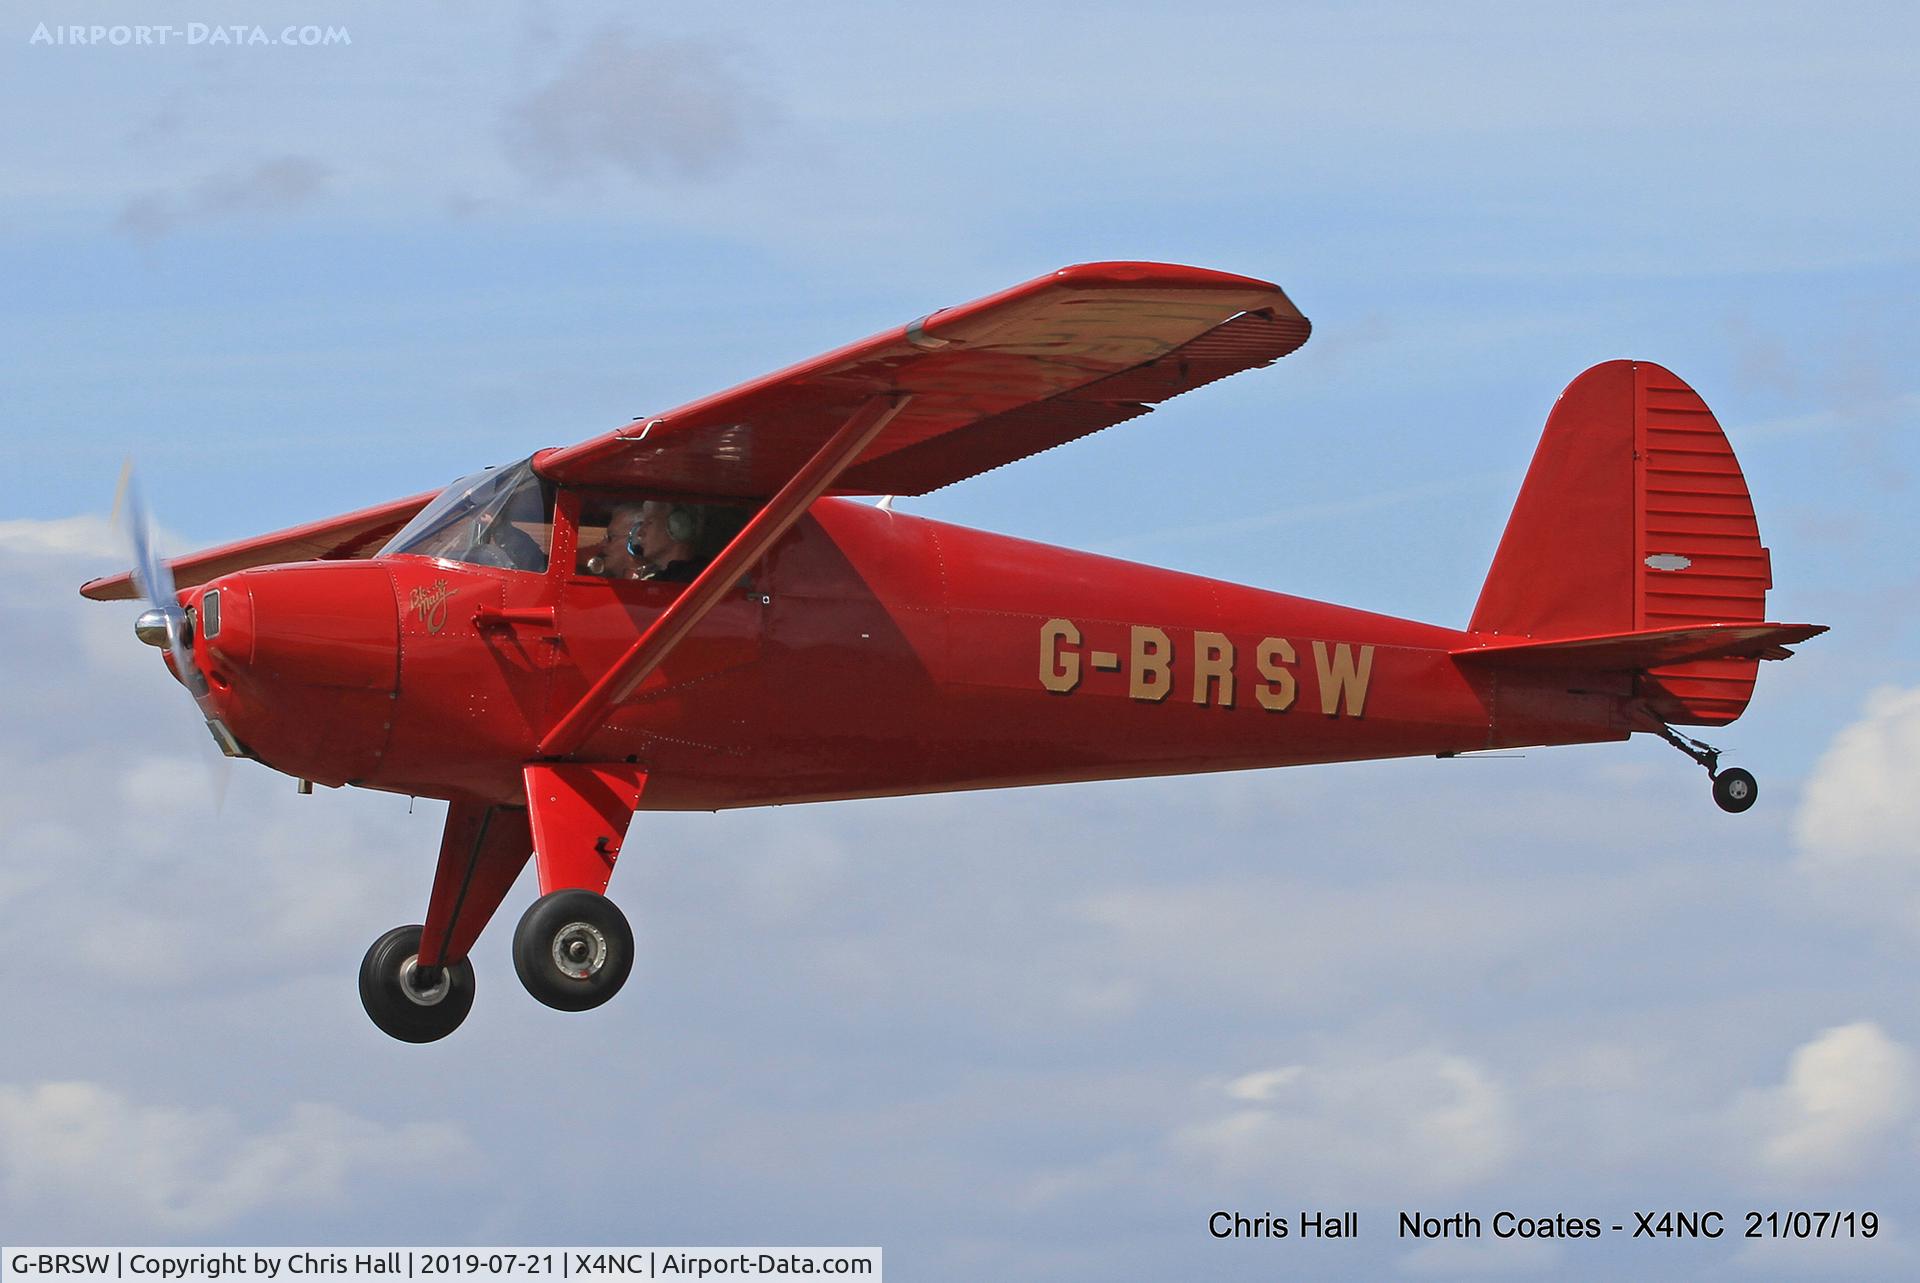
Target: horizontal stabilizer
point(1648, 648)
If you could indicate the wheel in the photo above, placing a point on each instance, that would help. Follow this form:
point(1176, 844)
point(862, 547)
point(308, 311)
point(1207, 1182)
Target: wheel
point(1735, 790)
point(403, 999)
point(573, 949)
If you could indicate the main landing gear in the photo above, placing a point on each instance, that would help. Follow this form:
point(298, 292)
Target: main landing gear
point(1734, 790)
point(573, 949)
point(408, 1001)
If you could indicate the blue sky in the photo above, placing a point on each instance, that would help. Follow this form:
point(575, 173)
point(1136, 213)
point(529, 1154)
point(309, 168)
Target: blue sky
point(1039, 1033)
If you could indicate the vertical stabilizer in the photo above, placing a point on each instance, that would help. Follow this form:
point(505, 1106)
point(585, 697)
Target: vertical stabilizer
point(1634, 516)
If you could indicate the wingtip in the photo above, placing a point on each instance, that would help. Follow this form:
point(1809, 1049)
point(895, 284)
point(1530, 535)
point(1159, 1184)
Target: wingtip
point(1119, 273)
point(108, 588)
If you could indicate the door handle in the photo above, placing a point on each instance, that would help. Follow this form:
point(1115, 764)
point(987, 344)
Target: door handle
point(485, 616)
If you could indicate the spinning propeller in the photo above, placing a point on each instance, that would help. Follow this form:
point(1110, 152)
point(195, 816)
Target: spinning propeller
point(166, 623)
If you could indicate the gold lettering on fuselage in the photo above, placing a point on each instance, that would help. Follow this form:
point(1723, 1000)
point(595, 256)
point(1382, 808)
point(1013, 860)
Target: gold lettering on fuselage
point(431, 605)
point(1344, 670)
point(1151, 673)
point(1340, 674)
point(1059, 669)
point(1212, 663)
point(1276, 695)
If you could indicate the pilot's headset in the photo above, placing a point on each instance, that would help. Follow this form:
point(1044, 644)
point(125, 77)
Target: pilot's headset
point(683, 526)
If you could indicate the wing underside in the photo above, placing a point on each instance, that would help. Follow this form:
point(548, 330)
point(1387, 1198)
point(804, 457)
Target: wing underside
point(968, 389)
point(990, 382)
point(348, 536)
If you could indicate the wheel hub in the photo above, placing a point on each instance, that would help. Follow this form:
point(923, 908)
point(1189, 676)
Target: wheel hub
point(579, 950)
point(424, 986)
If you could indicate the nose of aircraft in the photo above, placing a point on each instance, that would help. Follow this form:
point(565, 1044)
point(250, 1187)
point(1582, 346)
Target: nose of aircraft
point(303, 662)
point(321, 624)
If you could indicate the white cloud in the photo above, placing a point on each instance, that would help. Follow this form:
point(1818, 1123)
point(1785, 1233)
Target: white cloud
point(1265, 1085)
point(79, 1156)
point(1314, 941)
point(1352, 1127)
point(109, 782)
point(1019, 983)
point(1858, 827)
point(664, 107)
point(84, 535)
point(1845, 1094)
point(164, 785)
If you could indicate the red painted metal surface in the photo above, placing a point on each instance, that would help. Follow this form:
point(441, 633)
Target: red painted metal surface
point(838, 650)
point(580, 813)
point(873, 652)
point(979, 375)
point(760, 533)
point(892, 654)
point(1693, 507)
point(1634, 516)
point(482, 850)
point(1650, 648)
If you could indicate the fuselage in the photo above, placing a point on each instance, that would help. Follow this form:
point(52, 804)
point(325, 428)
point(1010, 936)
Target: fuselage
point(871, 652)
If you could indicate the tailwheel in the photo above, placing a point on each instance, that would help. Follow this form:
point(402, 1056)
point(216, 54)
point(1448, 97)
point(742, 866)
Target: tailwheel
point(408, 1001)
point(573, 949)
point(1735, 790)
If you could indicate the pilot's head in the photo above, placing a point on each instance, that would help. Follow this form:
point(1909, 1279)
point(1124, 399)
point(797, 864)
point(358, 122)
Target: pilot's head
point(666, 534)
point(619, 556)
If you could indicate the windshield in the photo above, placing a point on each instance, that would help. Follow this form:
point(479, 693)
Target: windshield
point(500, 517)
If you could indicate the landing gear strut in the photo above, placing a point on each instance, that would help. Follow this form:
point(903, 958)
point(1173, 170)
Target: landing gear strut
point(1734, 790)
point(573, 949)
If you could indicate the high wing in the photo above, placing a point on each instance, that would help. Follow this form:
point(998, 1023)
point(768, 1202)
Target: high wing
point(912, 409)
point(352, 535)
point(946, 397)
point(987, 383)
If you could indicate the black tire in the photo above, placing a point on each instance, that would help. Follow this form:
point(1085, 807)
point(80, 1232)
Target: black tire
point(403, 1009)
point(1735, 790)
point(573, 950)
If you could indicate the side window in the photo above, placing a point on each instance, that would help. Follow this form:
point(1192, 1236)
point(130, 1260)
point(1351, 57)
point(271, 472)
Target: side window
point(653, 539)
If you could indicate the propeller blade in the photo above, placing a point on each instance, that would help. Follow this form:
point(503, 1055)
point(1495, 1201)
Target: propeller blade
point(153, 576)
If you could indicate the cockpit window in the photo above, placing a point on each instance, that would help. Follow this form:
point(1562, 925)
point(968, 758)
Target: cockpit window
point(500, 517)
point(657, 539)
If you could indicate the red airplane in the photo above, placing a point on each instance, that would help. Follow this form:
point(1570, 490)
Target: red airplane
point(678, 615)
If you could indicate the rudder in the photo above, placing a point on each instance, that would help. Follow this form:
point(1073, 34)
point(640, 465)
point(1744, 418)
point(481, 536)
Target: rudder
point(1634, 516)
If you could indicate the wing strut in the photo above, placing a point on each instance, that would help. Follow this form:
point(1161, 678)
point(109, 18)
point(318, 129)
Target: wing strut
point(722, 573)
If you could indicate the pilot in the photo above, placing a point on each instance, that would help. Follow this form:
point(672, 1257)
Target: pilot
point(618, 556)
point(664, 541)
point(652, 540)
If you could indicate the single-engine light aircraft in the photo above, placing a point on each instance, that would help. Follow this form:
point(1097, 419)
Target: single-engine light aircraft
point(689, 613)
